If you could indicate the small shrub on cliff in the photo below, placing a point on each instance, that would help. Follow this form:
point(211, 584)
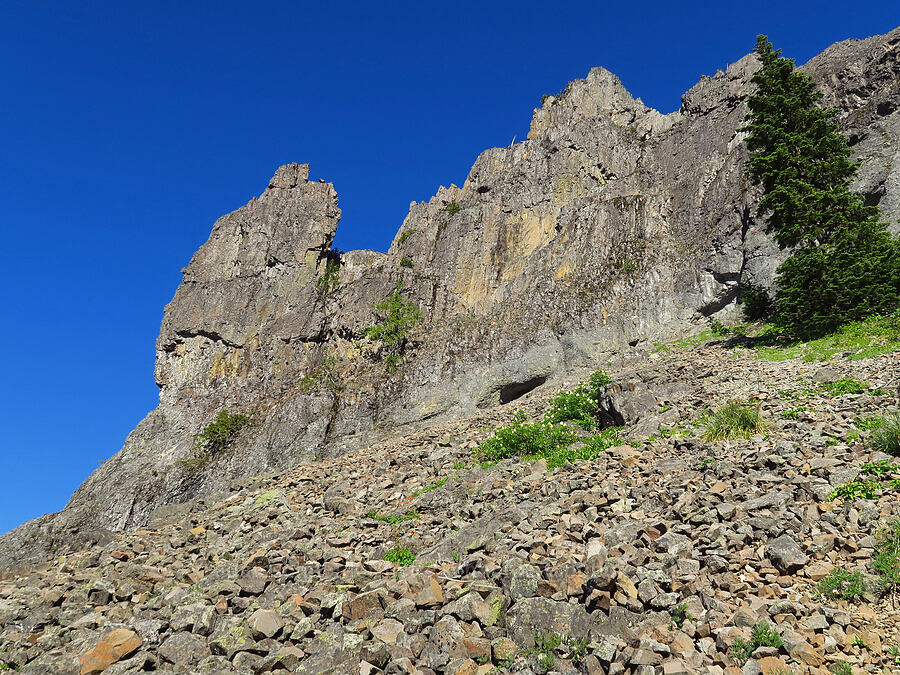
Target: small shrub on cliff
point(397, 316)
point(452, 207)
point(216, 435)
point(330, 279)
point(734, 420)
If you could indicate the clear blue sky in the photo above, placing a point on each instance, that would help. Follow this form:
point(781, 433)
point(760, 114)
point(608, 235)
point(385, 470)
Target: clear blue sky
point(128, 128)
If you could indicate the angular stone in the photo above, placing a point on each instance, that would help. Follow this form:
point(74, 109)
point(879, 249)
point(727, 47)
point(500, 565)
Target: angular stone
point(786, 555)
point(115, 645)
point(387, 630)
point(265, 623)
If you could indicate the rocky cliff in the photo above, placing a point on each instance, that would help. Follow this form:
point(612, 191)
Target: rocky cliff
point(612, 225)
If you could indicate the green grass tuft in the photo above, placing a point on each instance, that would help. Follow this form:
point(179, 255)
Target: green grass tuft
point(734, 420)
point(886, 435)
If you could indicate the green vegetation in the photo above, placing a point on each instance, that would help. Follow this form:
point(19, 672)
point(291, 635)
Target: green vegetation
point(858, 339)
point(680, 615)
point(873, 477)
point(720, 330)
point(869, 423)
point(793, 413)
point(397, 316)
point(432, 487)
point(325, 376)
point(859, 642)
point(406, 262)
point(401, 556)
point(886, 562)
point(857, 489)
point(406, 235)
point(330, 279)
point(886, 435)
point(219, 433)
point(844, 264)
point(756, 305)
point(841, 668)
point(763, 636)
point(393, 519)
point(683, 343)
point(734, 420)
point(579, 405)
point(452, 207)
point(560, 428)
point(845, 385)
point(841, 584)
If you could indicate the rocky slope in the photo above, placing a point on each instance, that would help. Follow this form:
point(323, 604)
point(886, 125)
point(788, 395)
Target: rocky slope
point(612, 225)
point(655, 558)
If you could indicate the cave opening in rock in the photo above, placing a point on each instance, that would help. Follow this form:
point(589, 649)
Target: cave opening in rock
point(514, 390)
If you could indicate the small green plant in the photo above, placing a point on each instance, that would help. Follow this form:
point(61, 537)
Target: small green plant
point(544, 645)
point(393, 519)
point(397, 316)
point(330, 279)
point(859, 642)
point(887, 558)
point(432, 487)
point(886, 435)
point(219, 433)
point(881, 470)
point(578, 647)
point(406, 262)
point(894, 652)
point(869, 423)
point(406, 235)
point(734, 420)
point(845, 385)
point(455, 557)
point(680, 615)
point(763, 636)
point(576, 406)
point(841, 584)
point(326, 376)
point(740, 650)
point(857, 489)
point(793, 413)
point(401, 556)
point(841, 668)
point(452, 207)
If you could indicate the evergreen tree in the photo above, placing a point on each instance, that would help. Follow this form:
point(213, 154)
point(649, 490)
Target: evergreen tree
point(844, 265)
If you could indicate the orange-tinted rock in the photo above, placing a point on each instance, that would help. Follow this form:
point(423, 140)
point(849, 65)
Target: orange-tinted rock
point(114, 646)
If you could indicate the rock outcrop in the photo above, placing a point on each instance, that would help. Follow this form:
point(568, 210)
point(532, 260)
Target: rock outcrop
point(612, 225)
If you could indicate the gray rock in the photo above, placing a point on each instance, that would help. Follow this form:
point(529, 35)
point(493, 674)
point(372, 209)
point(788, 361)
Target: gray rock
point(786, 555)
point(524, 583)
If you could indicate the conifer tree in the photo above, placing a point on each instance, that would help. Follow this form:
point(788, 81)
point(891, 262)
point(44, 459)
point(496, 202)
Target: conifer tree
point(844, 264)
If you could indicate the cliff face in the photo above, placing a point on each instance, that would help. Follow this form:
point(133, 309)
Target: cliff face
point(610, 226)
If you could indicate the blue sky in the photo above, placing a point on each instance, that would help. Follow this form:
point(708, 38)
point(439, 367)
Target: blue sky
point(128, 128)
